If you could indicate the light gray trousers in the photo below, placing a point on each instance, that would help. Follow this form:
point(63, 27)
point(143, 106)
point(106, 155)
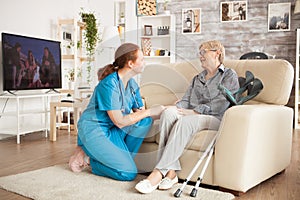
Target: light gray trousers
point(176, 131)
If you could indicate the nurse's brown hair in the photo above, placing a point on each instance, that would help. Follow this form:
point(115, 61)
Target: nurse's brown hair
point(126, 52)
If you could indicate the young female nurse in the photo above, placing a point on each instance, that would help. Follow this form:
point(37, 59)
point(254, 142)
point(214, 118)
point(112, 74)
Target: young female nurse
point(112, 127)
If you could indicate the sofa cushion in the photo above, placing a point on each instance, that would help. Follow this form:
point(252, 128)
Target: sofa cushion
point(164, 98)
point(201, 140)
point(166, 83)
point(276, 89)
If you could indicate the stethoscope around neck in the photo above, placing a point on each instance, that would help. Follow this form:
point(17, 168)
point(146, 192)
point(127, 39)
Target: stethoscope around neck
point(122, 94)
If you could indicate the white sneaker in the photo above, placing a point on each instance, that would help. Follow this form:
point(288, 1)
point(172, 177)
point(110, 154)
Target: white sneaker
point(167, 183)
point(145, 186)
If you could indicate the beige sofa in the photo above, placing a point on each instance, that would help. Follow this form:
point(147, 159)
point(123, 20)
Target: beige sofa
point(255, 139)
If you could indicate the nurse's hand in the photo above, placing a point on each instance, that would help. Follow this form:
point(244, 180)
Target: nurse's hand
point(156, 111)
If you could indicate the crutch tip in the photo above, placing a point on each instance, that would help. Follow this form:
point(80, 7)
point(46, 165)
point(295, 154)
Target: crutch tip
point(193, 192)
point(178, 193)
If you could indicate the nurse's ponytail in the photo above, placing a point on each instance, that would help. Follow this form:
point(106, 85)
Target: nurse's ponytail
point(125, 53)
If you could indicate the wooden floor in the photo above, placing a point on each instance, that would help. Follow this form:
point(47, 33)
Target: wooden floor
point(36, 151)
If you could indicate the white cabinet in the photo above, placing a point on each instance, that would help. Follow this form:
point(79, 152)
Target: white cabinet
point(156, 36)
point(25, 119)
point(297, 80)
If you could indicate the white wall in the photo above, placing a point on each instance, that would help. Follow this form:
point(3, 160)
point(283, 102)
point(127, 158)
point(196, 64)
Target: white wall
point(38, 18)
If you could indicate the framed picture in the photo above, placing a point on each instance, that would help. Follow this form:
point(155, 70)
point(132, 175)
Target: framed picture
point(148, 30)
point(191, 21)
point(146, 7)
point(233, 11)
point(279, 15)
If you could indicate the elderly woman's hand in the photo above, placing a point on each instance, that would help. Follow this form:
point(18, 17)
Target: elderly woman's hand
point(183, 111)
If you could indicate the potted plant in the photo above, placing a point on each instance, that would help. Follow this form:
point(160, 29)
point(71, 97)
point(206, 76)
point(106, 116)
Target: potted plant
point(90, 38)
point(122, 18)
point(71, 77)
point(69, 47)
point(165, 7)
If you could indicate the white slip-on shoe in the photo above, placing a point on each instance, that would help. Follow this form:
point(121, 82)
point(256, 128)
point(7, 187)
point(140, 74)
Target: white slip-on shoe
point(167, 183)
point(145, 186)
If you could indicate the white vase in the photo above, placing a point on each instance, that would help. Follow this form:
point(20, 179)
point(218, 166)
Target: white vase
point(71, 85)
point(69, 51)
point(166, 12)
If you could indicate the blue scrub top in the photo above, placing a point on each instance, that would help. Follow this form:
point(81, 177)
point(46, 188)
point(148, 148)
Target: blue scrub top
point(110, 94)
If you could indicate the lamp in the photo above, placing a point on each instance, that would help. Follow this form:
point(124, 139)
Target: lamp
point(110, 38)
point(297, 7)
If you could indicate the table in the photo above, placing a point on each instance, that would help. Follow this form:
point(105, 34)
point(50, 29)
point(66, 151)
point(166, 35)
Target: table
point(77, 106)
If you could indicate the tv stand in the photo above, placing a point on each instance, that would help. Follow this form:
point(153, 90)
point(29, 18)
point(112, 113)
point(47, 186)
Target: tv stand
point(10, 92)
point(52, 89)
point(21, 115)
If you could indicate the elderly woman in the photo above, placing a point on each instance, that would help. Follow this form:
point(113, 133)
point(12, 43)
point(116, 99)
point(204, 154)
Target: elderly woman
point(202, 107)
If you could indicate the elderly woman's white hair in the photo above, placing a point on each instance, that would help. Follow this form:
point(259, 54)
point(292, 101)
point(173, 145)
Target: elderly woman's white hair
point(214, 45)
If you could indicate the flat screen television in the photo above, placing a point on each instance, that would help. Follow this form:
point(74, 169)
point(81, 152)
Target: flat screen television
point(30, 63)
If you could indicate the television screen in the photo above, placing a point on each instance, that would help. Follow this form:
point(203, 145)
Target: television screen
point(30, 63)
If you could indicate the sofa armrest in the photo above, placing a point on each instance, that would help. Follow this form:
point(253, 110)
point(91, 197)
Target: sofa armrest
point(254, 144)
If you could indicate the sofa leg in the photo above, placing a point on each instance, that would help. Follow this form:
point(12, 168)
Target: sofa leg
point(234, 192)
point(281, 172)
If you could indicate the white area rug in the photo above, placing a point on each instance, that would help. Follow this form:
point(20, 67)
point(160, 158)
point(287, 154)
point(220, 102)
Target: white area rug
point(58, 182)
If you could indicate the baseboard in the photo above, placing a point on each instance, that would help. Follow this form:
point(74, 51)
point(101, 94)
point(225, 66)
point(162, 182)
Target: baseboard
point(4, 136)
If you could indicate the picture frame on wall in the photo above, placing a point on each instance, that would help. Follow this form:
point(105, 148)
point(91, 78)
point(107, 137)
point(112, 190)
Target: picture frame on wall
point(279, 15)
point(191, 21)
point(148, 30)
point(146, 7)
point(233, 11)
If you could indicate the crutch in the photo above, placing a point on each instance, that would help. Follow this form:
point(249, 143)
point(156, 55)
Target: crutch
point(208, 152)
point(199, 179)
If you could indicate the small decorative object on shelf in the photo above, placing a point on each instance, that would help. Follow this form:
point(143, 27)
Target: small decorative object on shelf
point(162, 8)
point(163, 30)
point(70, 47)
point(146, 46)
point(71, 75)
point(166, 12)
point(148, 30)
point(122, 18)
point(71, 78)
point(162, 52)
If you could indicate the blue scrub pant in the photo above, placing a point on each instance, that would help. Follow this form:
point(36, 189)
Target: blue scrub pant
point(112, 153)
